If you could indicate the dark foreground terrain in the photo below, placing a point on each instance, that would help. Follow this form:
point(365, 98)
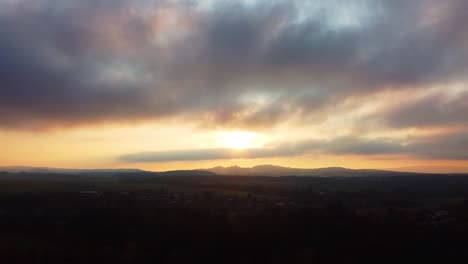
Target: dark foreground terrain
point(133, 218)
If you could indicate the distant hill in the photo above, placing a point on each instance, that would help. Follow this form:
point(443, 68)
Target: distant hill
point(16, 169)
point(59, 174)
point(433, 169)
point(277, 171)
point(262, 170)
point(187, 173)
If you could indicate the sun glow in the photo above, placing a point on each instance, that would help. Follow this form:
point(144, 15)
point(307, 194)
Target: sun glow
point(237, 140)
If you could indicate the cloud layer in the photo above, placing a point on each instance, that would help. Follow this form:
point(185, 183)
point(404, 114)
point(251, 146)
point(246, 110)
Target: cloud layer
point(241, 64)
point(222, 63)
point(449, 147)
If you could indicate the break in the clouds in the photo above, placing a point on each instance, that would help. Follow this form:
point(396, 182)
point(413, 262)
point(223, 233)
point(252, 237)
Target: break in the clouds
point(223, 63)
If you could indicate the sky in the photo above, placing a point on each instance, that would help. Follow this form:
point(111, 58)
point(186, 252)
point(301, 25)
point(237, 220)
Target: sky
point(182, 84)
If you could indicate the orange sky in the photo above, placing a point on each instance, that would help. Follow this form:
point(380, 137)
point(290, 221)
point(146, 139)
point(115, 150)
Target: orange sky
point(174, 84)
point(100, 147)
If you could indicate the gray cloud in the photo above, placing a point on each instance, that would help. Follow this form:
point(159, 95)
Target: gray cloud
point(448, 146)
point(340, 146)
point(78, 62)
point(205, 154)
point(434, 110)
point(445, 146)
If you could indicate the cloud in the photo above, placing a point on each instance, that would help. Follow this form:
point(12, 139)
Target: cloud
point(433, 110)
point(450, 146)
point(80, 62)
point(340, 146)
point(445, 146)
point(205, 154)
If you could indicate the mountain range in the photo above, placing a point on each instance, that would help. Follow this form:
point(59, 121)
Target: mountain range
point(277, 171)
point(16, 169)
point(261, 170)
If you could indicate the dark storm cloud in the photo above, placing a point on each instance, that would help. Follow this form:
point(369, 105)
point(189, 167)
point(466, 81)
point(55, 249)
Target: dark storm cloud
point(78, 62)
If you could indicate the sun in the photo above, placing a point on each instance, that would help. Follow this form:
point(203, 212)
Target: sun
point(237, 139)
